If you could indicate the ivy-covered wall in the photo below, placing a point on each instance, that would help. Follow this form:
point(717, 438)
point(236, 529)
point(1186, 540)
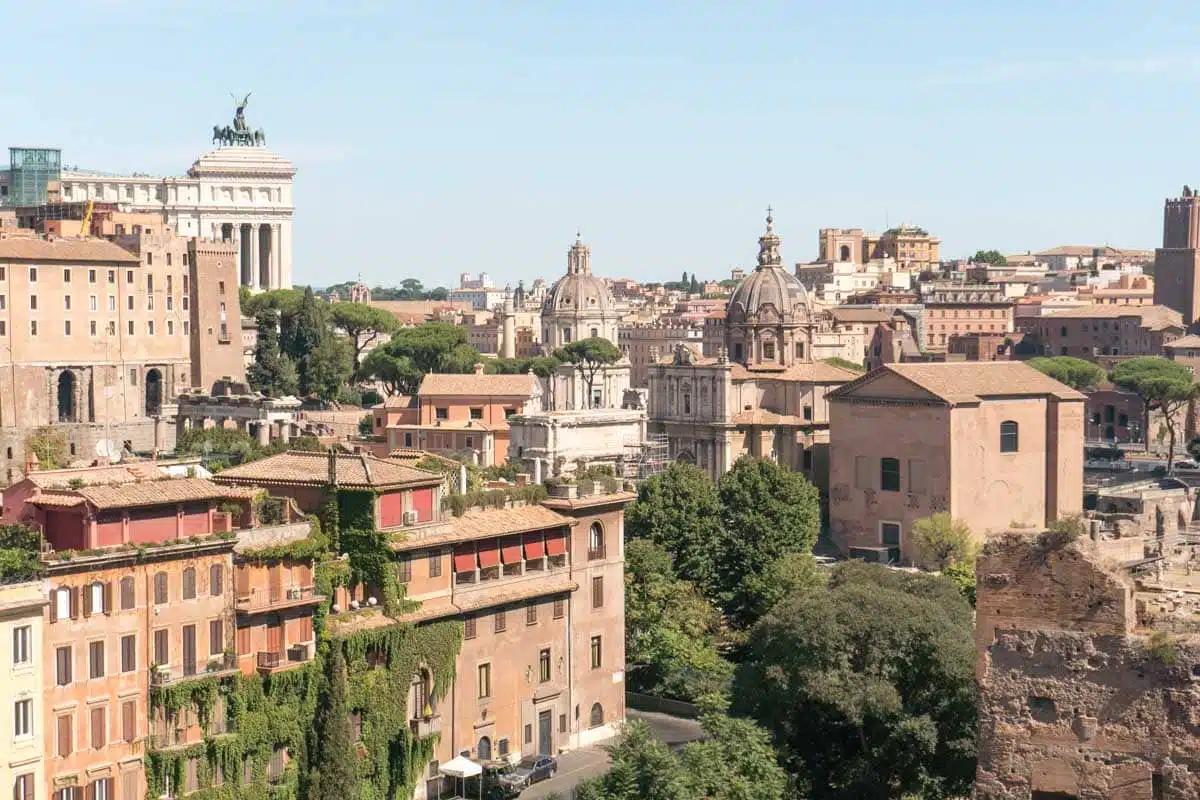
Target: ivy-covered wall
point(266, 713)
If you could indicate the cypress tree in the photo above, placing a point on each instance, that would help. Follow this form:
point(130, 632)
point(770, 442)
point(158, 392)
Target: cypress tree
point(334, 771)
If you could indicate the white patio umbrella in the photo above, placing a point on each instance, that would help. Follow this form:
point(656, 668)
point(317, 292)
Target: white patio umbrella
point(462, 767)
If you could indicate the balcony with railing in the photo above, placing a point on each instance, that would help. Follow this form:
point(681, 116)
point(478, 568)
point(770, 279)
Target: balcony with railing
point(218, 666)
point(425, 726)
point(270, 662)
point(257, 599)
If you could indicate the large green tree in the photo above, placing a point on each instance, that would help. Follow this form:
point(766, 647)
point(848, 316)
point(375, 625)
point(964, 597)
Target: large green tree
point(329, 367)
point(416, 351)
point(994, 257)
point(589, 357)
point(680, 510)
point(272, 373)
point(299, 340)
point(868, 686)
point(363, 324)
point(1074, 372)
point(334, 764)
point(735, 761)
point(767, 512)
point(285, 301)
point(1164, 385)
point(671, 631)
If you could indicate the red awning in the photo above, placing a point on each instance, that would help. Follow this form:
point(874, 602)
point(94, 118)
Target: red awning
point(489, 552)
point(533, 544)
point(556, 543)
point(464, 558)
point(510, 549)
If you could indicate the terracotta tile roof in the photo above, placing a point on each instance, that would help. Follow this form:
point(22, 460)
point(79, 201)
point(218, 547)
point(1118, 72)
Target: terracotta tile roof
point(117, 473)
point(1184, 342)
point(57, 499)
point(410, 458)
point(142, 493)
point(969, 381)
point(1152, 317)
point(65, 250)
point(817, 372)
point(478, 385)
point(483, 524)
point(764, 417)
point(398, 401)
point(354, 470)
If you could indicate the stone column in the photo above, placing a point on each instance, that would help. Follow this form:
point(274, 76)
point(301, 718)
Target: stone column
point(276, 281)
point(264, 433)
point(254, 256)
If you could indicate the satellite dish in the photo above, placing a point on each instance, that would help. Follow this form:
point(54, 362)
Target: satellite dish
point(107, 448)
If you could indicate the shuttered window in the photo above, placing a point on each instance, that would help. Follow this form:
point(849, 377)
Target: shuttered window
point(128, 653)
point(129, 720)
point(127, 593)
point(99, 739)
point(216, 637)
point(65, 739)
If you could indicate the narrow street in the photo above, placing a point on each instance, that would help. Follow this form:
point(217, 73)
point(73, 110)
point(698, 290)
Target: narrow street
point(587, 762)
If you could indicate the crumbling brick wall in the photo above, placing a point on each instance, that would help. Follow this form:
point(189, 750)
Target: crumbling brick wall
point(1075, 700)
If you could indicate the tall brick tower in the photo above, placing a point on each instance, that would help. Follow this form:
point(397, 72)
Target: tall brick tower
point(216, 316)
point(1177, 262)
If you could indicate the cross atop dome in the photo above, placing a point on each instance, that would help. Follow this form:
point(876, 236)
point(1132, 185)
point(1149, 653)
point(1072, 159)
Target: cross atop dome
point(768, 245)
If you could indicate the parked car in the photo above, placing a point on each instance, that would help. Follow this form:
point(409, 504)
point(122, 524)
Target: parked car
point(1185, 464)
point(531, 770)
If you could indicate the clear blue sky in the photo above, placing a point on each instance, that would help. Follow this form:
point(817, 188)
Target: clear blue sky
point(440, 137)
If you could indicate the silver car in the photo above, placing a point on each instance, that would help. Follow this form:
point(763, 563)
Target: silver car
point(531, 770)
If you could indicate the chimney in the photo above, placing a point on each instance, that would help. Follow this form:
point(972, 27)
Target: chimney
point(479, 369)
point(31, 462)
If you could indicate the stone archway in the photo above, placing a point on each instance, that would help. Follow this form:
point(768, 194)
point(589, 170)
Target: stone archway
point(67, 411)
point(154, 393)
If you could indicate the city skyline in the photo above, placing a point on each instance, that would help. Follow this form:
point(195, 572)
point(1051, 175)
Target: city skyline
point(481, 140)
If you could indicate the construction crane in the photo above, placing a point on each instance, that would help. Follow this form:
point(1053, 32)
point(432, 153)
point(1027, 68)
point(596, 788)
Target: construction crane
point(85, 229)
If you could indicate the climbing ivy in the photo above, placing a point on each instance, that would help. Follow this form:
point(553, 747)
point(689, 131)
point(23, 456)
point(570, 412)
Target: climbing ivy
point(356, 510)
point(279, 711)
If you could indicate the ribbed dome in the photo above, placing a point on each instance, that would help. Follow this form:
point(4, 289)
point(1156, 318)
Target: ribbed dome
point(575, 294)
point(770, 284)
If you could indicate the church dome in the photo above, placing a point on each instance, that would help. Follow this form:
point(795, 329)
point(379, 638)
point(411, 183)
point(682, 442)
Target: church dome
point(771, 285)
point(579, 292)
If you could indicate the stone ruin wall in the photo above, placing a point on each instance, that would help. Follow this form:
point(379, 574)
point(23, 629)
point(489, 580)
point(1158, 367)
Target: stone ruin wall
point(1076, 701)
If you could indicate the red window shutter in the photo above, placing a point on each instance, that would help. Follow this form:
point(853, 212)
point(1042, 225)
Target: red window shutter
point(464, 558)
point(74, 602)
point(87, 600)
point(54, 606)
point(108, 598)
point(556, 543)
point(533, 544)
point(489, 553)
point(510, 549)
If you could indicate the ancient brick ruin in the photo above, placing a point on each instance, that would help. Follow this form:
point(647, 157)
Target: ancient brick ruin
point(1088, 657)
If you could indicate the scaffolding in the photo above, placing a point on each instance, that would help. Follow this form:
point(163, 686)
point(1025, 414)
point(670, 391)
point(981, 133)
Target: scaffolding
point(30, 170)
point(646, 458)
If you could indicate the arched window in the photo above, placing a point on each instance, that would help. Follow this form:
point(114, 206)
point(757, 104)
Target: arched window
point(596, 541)
point(889, 474)
point(484, 751)
point(66, 397)
point(216, 578)
point(189, 584)
point(596, 718)
point(595, 333)
point(1008, 437)
point(844, 254)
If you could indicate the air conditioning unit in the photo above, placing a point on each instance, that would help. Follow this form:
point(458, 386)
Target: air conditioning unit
point(161, 674)
point(877, 555)
point(409, 518)
point(301, 652)
point(293, 593)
